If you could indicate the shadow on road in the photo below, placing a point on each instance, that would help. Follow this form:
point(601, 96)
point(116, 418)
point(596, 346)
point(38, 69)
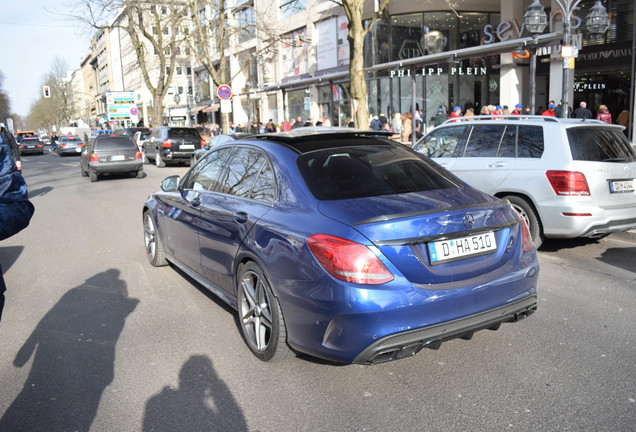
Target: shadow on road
point(620, 257)
point(201, 403)
point(73, 350)
point(9, 255)
point(40, 191)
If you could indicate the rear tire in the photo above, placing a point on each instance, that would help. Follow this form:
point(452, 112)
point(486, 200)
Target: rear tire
point(260, 316)
point(527, 211)
point(154, 248)
point(94, 176)
point(159, 160)
point(84, 173)
point(140, 174)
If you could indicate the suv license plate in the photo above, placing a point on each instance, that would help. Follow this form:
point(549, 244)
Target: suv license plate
point(464, 247)
point(186, 147)
point(117, 158)
point(621, 186)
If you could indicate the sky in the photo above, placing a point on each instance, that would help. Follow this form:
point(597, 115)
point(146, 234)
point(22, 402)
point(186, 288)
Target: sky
point(32, 34)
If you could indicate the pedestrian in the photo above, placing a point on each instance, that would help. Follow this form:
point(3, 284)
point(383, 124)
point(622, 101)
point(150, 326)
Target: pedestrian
point(457, 112)
point(497, 112)
point(375, 123)
point(484, 110)
point(440, 117)
point(15, 208)
point(469, 112)
point(582, 112)
point(396, 123)
point(518, 109)
point(407, 125)
point(604, 115)
point(270, 127)
point(298, 123)
point(550, 111)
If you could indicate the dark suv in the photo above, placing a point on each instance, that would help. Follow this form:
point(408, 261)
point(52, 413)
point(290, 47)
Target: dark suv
point(111, 154)
point(171, 145)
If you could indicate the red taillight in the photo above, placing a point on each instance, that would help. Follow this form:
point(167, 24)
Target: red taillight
point(81, 144)
point(62, 145)
point(94, 158)
point(203, 143)
point(166, 143)
point(568, 183)
point(39, 145)
point(526, 238)
point(138, 155)
point(347, 260)
point(21, 147)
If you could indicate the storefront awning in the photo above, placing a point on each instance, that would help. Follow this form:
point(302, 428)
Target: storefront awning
point(443, 57)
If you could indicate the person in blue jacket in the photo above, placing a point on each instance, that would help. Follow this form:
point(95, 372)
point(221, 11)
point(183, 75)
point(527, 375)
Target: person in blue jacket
point(15, 208)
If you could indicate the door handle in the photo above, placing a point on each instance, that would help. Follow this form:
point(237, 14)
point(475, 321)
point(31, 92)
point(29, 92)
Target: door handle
point(497, 165)
point(240, 217)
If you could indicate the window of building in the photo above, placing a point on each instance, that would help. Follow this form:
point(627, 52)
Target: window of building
point(290, 7)
point(246, 22)
point(179, 70)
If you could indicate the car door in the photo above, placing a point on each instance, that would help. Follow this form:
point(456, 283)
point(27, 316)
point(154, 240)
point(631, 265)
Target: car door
point(488, 158)
point(183, 210)
point(246, 193)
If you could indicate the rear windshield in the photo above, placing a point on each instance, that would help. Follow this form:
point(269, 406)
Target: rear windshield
point(356, 172)
point(599, 144)
point(114, 143)
point(183, 133)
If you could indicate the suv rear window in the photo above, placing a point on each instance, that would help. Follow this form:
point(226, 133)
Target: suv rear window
point(183, 133)
point(599, 144)
point(356, 172)
point(114, 143)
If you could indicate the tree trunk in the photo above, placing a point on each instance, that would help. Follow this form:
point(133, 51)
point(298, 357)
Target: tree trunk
point(356, 69)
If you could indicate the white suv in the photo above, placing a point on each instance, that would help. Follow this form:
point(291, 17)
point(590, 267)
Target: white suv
point(567, 178)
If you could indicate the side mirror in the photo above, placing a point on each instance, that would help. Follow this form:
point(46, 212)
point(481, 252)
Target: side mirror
point(170, 184)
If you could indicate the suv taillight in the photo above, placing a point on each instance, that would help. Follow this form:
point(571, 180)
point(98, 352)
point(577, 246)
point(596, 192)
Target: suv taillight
point(568, 183)
point(94, 158)
point(347, 260)
point(167, 143)
point(138, 155)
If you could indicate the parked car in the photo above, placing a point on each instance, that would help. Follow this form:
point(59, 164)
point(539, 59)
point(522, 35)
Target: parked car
point(343, 245)
point(169, 144)
point(31, 145)
point(69, 144)
point(568, 178)
point(111, 154)
point(216, 141)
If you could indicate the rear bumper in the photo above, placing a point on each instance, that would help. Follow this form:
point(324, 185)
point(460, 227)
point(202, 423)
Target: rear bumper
point(409, 343)
point(585, 219)
point(170, 155)
point(116, 167)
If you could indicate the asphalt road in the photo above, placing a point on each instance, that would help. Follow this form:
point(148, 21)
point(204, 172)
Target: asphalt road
point(94, 338)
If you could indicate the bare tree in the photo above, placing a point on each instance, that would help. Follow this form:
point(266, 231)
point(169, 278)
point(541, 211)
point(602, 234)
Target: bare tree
point(153, 29)
point(357, 33)
point(57, 109)
point(218, 31)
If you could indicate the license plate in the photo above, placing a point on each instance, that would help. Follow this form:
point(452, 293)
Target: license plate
point(460, 248)
point(30, 146)
point(78, 149)
point(187, 147)
point(118, 158)
point(621, 186)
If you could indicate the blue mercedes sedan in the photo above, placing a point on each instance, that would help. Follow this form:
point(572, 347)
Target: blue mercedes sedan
point(343, 245)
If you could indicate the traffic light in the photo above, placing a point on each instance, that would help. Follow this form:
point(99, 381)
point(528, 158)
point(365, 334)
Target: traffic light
point(47, 91)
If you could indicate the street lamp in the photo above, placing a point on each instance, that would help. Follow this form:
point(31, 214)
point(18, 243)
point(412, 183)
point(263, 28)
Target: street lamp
point(535, 21)
point(597, 22)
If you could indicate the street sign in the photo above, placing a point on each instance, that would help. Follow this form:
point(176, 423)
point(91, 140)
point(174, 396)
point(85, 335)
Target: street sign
point(133, 111)
point(224, 92)
point(226, 106)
